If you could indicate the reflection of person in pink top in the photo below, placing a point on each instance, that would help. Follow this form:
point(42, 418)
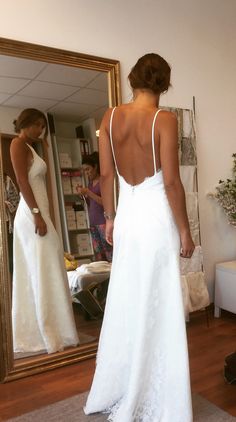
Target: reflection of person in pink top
point(102, 250)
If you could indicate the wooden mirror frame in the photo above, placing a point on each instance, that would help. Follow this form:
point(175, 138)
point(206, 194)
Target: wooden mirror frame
point(10, 369)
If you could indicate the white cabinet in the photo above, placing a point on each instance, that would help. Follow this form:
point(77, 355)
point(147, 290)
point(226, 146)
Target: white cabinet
point(225, 287)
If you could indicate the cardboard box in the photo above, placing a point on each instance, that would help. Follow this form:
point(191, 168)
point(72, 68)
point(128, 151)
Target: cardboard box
point(82, 237)
point(76, 180)
point(66, 184)
point(65, 160)
point(85, 249)
point(84, 244)
point(71, 224)
point(70, 213)
point(81, 220)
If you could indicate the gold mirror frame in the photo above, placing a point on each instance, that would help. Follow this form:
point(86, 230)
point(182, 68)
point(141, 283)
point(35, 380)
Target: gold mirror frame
point(10, 370)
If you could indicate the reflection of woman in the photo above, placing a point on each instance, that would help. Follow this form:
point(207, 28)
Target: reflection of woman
point(102, 250)
point(142, 369)
point(41, 309)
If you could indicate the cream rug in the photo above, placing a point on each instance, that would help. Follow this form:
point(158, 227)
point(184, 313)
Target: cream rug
point(71, 410)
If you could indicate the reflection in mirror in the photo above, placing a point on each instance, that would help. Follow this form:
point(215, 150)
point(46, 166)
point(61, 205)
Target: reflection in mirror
point(74, 100)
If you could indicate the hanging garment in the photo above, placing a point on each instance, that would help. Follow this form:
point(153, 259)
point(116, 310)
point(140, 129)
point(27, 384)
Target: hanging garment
point(142, 372)
point(11, 199)
point(192, 210)
point(42, 315)
point(188, 178)
point(198, 292)
point(195, 233)
point(193, 264)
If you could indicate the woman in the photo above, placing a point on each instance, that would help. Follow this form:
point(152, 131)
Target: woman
point(142, 371)
point(41, 304)
point(102, 250)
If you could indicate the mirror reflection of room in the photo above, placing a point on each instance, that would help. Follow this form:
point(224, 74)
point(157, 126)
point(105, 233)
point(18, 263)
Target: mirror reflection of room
point(92, 194)
point(73, 102)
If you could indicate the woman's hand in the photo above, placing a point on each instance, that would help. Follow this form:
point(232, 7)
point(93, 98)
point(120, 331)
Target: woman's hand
point(187, 245)
point(40, 225)
point(109, 231)
point(81, 190)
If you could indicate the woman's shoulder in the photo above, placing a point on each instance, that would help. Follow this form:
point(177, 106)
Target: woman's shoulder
point(18, 146)
point(120, 108)
point(15, 140)
point(128, 109)
point(166, 119)
point(166, 114)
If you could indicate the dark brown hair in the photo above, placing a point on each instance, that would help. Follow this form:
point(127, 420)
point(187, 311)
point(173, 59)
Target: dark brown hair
point(28, 117)
point(92, 160)
point(150, 72)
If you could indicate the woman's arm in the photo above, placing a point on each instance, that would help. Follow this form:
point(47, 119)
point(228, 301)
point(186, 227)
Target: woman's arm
point(107, 174)
point(168, 132)
point(90, 194)
point(19, 157)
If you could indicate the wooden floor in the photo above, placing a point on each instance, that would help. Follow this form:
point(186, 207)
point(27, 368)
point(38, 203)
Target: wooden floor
point(207, 348)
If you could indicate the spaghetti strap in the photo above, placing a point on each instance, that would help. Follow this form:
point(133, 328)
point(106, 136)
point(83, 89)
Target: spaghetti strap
point(113, 153)
point(153, 141)
point(31, 148)
point(34, 153)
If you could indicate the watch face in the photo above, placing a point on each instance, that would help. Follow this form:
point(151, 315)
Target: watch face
point(35, 210)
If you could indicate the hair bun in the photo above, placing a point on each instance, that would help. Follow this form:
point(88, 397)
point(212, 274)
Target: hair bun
point(15, 126)
point(150, 72)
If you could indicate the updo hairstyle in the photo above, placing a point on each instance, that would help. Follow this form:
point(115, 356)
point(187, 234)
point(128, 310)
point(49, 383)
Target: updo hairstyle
point(150, 72)
point(28, 117)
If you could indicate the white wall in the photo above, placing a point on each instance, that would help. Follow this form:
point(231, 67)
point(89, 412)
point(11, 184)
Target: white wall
point(68, 130)
point(197, 37)
point(7, 116)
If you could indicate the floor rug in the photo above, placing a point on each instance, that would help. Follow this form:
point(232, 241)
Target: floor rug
point(71, 410)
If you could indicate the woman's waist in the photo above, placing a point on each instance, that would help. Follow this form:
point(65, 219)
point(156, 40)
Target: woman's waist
point(96, 214)
point(42, 204)
point(152, 183)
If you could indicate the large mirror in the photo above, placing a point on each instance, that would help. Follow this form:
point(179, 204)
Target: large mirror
point(73, 90)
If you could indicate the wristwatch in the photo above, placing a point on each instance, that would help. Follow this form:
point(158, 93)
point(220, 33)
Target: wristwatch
point(35, 210)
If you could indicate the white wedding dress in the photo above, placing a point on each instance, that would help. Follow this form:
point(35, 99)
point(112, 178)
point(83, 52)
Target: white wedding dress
point(142, 371)
point(42, 315)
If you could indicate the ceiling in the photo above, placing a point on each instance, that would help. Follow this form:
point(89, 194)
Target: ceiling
point(69, 93)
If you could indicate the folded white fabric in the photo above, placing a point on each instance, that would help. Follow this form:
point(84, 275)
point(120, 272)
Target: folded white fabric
point(82, 269)
point(198, 292)
point(73, 280)
point(99, 267)
point(96, 267)
point(78, 281)
point(193, 264)
point(188, 178)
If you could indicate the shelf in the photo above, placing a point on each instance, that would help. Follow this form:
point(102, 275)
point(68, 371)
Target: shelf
point(87, 229)
point(71, 172)
point(81, 256)
point(70, 168)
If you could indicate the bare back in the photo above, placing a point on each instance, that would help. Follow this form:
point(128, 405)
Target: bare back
point(132, 130)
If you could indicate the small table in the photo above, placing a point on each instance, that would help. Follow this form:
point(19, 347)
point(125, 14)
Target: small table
point(225, 287)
